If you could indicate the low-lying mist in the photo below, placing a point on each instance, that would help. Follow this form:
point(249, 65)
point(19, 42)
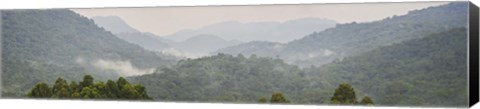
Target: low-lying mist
point(123, 68)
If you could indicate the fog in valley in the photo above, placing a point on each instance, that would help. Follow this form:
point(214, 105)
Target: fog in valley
point(385, 54)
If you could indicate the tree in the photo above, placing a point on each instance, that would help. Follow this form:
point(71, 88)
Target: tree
point(129, 92)
point(366, 101)
point(278, 98)
point(262, 100)
point(59, 84)
point(41, 90)
point(89, 92)
point(60, 89)
point(87, 81)
point(344, 94)
point(122, 82)
point(62, 93)
point(101, 88)
point(75, 95)
point(74, 87)
point(112, 89)
point(141, 91)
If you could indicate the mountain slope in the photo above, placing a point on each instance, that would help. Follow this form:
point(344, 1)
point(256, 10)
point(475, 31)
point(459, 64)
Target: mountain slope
point(222, 78)
point(195, 46)
point(258, 31)
point(202, 45)
point(122, 30)
point(145, 40)
point(44, 44)
point(429, 71)
point(113, 24)
point(353, 38)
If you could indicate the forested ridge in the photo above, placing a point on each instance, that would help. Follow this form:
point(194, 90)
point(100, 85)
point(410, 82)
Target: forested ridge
point(420, 72)
point(418, 59)
point(89, 89)
point(222, 78)
point(40, 44)
point(430, 71)
point(350, 39)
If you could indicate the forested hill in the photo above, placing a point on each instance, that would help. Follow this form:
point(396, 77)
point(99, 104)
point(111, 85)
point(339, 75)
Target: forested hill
point(195, 46)
point(429, 71)
point(42, 44)
point(122, 30)
point(353, 38)
point(114, 24)
point(222, 78)
point(258, 31)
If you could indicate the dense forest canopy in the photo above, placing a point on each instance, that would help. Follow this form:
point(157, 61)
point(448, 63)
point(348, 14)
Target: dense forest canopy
point(38, 45)
point(417, 59)
point(353, 38)
point(222, 78)
point(427, 71)
point(420, 72)
point(88, 89)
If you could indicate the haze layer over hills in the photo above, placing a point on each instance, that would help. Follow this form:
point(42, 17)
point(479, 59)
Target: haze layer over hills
point(204, 41)
point(417, 59)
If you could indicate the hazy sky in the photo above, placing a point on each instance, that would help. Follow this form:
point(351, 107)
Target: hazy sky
point(167, 20)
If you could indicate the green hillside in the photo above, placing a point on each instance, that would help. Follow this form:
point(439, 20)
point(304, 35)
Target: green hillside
point(38, 45)
point(429, 71)
point(353, 38)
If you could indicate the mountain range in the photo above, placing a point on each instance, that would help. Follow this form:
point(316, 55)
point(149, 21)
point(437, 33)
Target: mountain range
point(258, 31)
point(417, 59)
point(349, 39)
point(428, 71)
point(190, 43)
point(195, 46)
point(41, 44)
point(413, 60)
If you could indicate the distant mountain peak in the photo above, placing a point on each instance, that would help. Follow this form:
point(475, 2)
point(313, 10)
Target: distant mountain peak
point(113, 24)
point(204, 37)
point(354, 38)
point(259, 31)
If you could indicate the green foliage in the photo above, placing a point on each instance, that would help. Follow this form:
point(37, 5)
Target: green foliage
point(39, 45)
point(113, 89)
point(350, 39)
point(275, 98)
point(89, 93)
point(366, 101)
point(278, 98)
point(344, 95)
point(406, 60)
point(75, 95)
point(41, 90)
point(87, 81)
point(421, 72)
point(74, 87)
point(90, 90)
point(224, 78)
point(122, 82)
point(60, 89)
point(262, 100)
point(141, 91)
point(129, 92)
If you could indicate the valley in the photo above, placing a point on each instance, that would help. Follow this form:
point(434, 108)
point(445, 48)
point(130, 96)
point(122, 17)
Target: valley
point(416, 59)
